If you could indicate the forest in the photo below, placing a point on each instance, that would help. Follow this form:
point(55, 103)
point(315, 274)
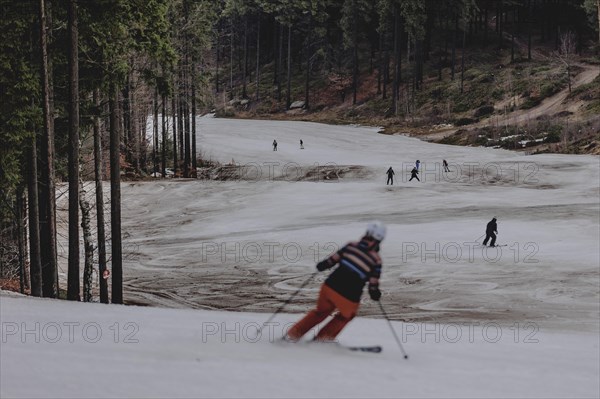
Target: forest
point(96, 92)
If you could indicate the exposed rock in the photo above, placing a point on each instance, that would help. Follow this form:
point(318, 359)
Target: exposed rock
point(297, 104)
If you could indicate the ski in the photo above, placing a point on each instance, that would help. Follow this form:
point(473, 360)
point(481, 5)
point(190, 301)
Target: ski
point(369, 349)
point(366, 348)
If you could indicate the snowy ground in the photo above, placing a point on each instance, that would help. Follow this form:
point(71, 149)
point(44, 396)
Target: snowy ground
point(93, 350)
point(247, 243)
point(244, 244)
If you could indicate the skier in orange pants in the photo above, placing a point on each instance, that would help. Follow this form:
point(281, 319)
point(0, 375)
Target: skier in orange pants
point(359, 264)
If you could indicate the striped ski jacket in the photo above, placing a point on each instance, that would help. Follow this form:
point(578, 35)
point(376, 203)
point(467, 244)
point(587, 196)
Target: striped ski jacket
point(357, 264)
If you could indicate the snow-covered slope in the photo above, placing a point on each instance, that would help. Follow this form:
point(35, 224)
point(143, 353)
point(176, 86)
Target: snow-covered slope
point(521, 320)
point(93, 350)
point(245, 244)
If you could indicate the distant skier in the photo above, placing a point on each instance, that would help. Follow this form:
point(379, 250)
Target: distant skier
point(359, 263)
point(491, 228)
point(417, 164)
point(301, 144)
point(274, 145)
point(446, 169)
point(390, 175)
point(413, 174)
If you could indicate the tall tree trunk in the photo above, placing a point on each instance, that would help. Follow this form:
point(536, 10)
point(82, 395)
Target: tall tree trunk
point(446, 34)
point(88, 245)
point(397, 60)
point(24, 218)
point(500, 23)
point(470, 38)
point(380, 62)
point(288, 100)
point(133, 129)
point(115, 198)
point(142, 119)
point(440, 50)
point(185, 98)
point(19, 211)
point(529, 22)
point(98, 173)
point(355, 56)
point(141, 124)
point(512, 35)
point(35, 265)
point(485, 24)
point(420, 62)
point(173, 117)
point(73, 290)
point(452, 69)
point(279, 63)
point(440, 64)
point(47, 204)
point(308, 55)
point(414, 66)
point(276, 51)
point(498, 16)
point(231, 41)
point(181, 116)
point(155, 133)
point(193, 149)
point(386, 73)
point(163, 147)
point(186, 115)
point(371, 56)
point(512, 46)
point(245, 72)
point(258, 59)
point(218, 48)
point(462, 62)
point(426, 44)
point(598, 10)
point(543, 22)
point(126, 118)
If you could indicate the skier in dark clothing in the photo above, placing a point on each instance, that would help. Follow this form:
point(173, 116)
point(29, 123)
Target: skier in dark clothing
point(274, 145)
point(301, 144)
point(446, 169)
point(491, 228)
point(359, 264)
point(413, 174)
point(390, 175)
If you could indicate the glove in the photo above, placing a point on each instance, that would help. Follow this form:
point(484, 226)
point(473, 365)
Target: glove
point(323, 265)
point(374, 292)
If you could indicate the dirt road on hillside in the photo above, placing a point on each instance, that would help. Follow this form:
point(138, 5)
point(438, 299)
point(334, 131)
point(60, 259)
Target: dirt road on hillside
point(549, 106)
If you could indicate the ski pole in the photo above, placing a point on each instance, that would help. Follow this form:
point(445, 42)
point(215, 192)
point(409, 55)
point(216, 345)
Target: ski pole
point(480, 237)
point(392, 328)
point(286, 303)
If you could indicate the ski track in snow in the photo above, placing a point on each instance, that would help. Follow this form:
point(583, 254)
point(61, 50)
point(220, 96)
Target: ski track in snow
point(181, 236)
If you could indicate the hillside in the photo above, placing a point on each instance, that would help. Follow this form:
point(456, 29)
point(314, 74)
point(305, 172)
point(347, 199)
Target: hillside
point(506, 101)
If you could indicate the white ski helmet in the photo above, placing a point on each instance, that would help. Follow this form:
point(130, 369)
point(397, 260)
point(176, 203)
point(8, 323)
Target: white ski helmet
point(377, 230)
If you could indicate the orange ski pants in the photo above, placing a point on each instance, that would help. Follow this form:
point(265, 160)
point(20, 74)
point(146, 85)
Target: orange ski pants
point(329, 301)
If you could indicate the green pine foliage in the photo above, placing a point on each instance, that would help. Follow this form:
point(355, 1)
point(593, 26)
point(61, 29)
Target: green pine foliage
point(20, 114)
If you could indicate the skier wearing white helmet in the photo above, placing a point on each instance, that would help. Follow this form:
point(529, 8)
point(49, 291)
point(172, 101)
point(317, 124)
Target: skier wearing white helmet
point(359, 264)
point(376, 230)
